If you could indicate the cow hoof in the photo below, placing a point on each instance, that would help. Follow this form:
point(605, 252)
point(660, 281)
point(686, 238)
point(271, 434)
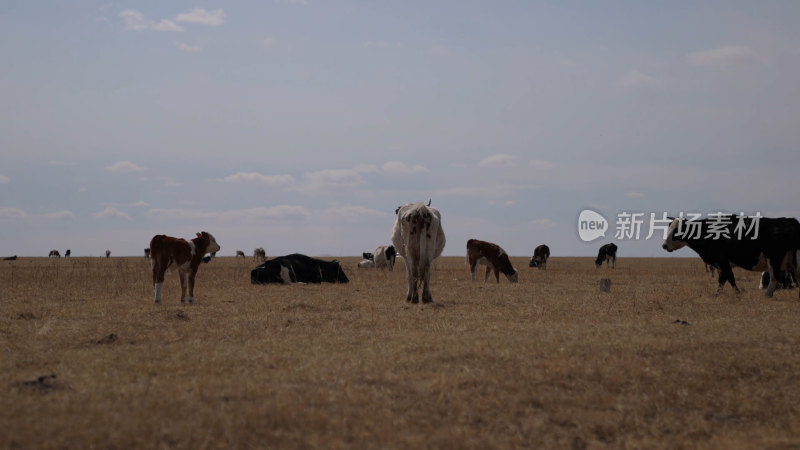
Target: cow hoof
point(191, 300)
point(428, 299)
point(158, 302)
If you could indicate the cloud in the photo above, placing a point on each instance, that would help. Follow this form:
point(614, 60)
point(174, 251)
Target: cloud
point(637, 79)
point(402, 168)
point(258, 213)
point(721, 56)
point(366, 168)
point(140, 204)
point(634, 194)
point(329, 180)
point(188, 48)
point(498, 161)
point(124, 166)
point(4, 179)
point(543, 224)
point(134, 20)
point(13, 214)
point(60, 215)
point(353, 211)
point(111, 213)
point(202, 17)
point(254, 177)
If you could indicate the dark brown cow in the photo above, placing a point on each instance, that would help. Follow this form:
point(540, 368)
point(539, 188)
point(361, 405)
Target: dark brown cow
point(491, 256)
point(187, 255)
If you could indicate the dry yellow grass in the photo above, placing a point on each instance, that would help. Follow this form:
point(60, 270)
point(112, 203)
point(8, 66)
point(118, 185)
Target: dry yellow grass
point(549, 362)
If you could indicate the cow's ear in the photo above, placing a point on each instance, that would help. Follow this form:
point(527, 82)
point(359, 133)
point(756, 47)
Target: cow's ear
point(199, 235)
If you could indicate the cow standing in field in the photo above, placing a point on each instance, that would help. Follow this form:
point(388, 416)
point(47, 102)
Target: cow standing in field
point(772, 246)
point(607, 253)
point(108, 253)
point(240, 253)
point(540, 256)
point(67, 253)
point(384, 256)
point(493, 257)
point(418, 237)
point(187, 255)
point(54, 254)
point(259, 254)
point(147, 253)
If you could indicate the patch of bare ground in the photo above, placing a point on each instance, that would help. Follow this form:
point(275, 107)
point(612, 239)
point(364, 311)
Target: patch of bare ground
point(87, 359)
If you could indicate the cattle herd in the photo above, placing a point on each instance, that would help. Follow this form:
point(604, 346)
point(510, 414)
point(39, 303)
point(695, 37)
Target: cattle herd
point(418, 237)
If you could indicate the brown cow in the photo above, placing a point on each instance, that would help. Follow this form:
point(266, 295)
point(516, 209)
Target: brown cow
point(491, 256)
point(187, 255)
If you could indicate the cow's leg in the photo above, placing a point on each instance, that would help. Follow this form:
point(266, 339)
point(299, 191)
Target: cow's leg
point(410, 277)
point(427, 297)
point(184, 281)
point(158, 279)
point(773, 278)
point(497, 274)
point(613, 262)
point(488, 271)
point(726, 274)
point(190, 278)
point(473, 265)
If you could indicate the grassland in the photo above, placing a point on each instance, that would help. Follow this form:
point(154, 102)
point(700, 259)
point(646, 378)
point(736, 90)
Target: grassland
point(88, 361)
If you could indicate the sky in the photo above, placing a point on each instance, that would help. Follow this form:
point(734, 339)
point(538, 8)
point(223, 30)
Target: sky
point(300, 125)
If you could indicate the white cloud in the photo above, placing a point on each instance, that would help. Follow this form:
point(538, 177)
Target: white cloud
point(124, 166)
point(637, 79)
point(12, 214)
point(140, 203)
point(402, 168)
point(60, 215)
point(254, 177)
point(329, 180)
point(134, 20)
point(634, 194)
point(509, 203)
point(258, 213)
point(170, 182)
point(498, 161)
point(111, 213)
point(4, 179)
point(202, 17)
point(188, 48)
point(542, 224)
point(721, 56)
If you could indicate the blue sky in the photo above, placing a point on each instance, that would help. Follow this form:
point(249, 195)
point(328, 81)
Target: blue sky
point(301, 125)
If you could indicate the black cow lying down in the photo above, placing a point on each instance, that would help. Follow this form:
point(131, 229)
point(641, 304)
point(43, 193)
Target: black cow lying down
point(297, 268)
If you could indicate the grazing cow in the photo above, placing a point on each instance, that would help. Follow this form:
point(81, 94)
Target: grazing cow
point(108, 253)
point(147, 253)
point(493, 257)
point(720, 242)
point(240, 253)
point(54, 254)
point(259, 254)
point(540, 256)
point(366, 264)
point(166, 251)
point(10, 258)
point(67, 253)
point(297, 268)
point(384, 256)
point(418, 237)
point(607, 253)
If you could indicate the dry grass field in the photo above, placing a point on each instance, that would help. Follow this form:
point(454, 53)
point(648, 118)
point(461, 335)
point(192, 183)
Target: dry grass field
point(88, 361)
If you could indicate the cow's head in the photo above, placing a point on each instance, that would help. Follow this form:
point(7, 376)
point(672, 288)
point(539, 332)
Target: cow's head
point(514, 277)
point(673, 241)
point(212, 243)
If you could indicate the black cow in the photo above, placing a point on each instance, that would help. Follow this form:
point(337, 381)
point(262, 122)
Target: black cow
point(67, 253)
point(607, 253)
point(297, 268)
point(147, 253)
point(540, 256)
point(721, 243)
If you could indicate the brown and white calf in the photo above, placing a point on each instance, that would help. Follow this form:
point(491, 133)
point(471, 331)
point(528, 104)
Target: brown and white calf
point(259, 254)
point(493, 257)
point(54, 254)
point(187, 255)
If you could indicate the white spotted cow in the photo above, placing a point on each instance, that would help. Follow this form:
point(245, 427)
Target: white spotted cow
point(493, 257)
point(187, 255)
point(418, 237)
point(384, 256)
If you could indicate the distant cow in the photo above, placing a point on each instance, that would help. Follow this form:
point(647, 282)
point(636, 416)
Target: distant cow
point(147, 253)
point(384, 256)
point(108, 253)
point(297, 268)
point(259, 254)
point(67, 253)
point(418, 237)
point(540, 256)
point(54, 254)
point(240, 253)
point(10, 258)
point(166, 251)
point(493, 257)
point(607, 253)
point(720, 242)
